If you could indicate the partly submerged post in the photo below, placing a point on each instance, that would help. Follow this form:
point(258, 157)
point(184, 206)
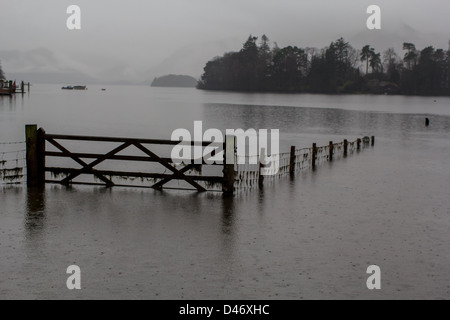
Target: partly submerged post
point(373, 141)
point(228, 166)
point(314, 156)
point(262, 165)
point(331, 147)
point(292, 161)
point(35, 156)
point(345, 147)
point(41, 156)
point(358, 144)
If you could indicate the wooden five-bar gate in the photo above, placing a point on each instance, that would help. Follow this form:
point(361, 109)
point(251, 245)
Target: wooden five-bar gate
point(37, 155)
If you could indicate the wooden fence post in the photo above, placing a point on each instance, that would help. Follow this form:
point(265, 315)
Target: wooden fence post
point(373, 141)
point(345, 148)
point(262, 161)
point(228, 170)
point(35, 156)
point(331, 147)
point(314, 156)
point(41, 157)
point(292, 161)
point(358, 144)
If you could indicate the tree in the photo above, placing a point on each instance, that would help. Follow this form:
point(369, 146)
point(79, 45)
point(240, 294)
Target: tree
point(288, 69)
point(390, 58)
point(411, 55)
point(375, 61)
point(264, 63)
point(366, 54)
point(392, 65)
point(248, 60)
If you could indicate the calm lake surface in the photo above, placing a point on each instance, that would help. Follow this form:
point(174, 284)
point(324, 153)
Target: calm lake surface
point(311, 237)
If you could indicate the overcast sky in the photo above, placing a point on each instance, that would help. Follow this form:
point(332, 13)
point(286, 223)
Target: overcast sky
point(135, 40)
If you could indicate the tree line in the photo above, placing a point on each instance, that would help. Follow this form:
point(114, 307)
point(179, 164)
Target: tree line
point(338, 68)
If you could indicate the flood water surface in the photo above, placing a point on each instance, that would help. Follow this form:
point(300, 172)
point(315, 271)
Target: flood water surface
point(308, 237)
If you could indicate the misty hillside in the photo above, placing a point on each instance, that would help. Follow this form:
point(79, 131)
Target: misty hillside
point(180, 81)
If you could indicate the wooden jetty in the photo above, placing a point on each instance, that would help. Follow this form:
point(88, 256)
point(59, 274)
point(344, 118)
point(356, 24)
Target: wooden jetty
point(8, 88)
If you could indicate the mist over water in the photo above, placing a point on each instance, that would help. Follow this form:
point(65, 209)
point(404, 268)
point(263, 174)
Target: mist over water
point(309, 237)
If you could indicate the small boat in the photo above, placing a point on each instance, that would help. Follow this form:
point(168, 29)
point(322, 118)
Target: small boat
point(74, 88)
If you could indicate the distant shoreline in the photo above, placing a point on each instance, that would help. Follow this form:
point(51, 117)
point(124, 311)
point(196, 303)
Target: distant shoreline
point(323, 94)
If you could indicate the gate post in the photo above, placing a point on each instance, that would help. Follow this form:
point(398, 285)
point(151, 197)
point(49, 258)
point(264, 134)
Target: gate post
point(228, 166)
point(35, 156)
point(314, 156)
point(292, 161)
point(331, 151)
point(345, 148)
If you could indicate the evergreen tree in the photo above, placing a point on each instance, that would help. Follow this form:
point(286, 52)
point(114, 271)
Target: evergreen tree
point(410, 55)
point(366, 53)
point(375, 61)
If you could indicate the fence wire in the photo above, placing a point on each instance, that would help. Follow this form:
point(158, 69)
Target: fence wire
point(12, 163)
point(250, 171)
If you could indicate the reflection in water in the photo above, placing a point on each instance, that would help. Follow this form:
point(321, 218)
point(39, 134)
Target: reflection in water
point(229, 234)
point(228, 215)
point(8, 101)
point(321, 121)
point(35, 218)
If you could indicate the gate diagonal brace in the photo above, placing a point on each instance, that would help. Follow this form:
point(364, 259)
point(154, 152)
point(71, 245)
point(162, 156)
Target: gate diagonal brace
point(88, 168)
point(177, 174)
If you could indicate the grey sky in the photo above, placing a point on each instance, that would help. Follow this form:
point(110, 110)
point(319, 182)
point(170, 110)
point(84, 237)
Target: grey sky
point(135, 40)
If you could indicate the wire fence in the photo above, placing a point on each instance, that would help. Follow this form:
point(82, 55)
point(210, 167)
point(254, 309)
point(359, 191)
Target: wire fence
point(252, 171)
point(12, 163)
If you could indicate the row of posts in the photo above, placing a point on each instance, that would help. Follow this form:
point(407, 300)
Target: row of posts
point(12, 90)
point(330, 150)
point(35, 158)
point(230, 150)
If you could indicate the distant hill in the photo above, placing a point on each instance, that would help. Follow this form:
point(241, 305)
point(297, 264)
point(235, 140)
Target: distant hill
point(172, 80)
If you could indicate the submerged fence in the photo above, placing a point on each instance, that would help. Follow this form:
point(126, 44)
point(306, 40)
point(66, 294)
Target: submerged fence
point(249, 176)
point(12, 163)
point(231, 174)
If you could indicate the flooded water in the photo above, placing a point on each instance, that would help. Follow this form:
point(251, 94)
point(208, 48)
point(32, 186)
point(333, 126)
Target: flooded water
point(310, 237)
